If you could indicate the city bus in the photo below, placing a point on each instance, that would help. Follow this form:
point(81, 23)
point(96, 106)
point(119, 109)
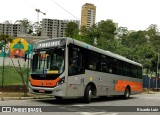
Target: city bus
point(68, 68)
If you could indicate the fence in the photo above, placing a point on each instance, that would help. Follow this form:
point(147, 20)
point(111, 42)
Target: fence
point(151, 82)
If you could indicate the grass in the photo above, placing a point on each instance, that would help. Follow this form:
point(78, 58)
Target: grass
point(11, 76)
point(17, 94)
point(12, 94)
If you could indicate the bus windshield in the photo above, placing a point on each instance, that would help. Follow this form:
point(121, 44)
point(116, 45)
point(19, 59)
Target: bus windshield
point(48, 61)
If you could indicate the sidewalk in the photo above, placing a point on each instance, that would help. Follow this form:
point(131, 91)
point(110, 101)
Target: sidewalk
point(20, 96)
point(150, 92)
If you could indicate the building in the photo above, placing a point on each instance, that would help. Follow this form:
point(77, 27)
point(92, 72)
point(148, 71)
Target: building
point(116, 25)
point(55, 28)
point(11, 29)
point(88, 15)
point(131, 31)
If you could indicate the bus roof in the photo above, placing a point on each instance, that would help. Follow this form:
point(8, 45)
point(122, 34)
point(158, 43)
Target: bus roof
point(108, 53)
point(87, 46)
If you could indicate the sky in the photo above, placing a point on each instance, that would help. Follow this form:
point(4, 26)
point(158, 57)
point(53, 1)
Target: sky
point(133, 14)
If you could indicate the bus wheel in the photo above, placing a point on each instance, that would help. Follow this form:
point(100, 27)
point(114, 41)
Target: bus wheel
point(58, 98)
point(88, 94)
point(126, 93)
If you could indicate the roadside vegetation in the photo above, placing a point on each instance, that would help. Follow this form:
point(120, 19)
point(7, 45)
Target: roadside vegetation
point(141, 46)
point(11, 76)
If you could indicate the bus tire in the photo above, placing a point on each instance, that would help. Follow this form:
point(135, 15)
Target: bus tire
point(88, 94)
point(126, 93)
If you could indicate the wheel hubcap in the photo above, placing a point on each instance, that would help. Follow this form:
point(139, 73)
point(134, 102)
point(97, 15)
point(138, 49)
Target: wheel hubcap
point(90, 94)
point(127, 93)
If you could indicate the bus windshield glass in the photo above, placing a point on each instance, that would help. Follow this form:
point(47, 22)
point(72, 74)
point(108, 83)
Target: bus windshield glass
point(48, 61)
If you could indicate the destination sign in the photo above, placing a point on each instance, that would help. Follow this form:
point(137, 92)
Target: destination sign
point(46, 44)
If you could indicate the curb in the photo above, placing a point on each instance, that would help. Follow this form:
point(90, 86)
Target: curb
point(150, 92)
point(23, 98)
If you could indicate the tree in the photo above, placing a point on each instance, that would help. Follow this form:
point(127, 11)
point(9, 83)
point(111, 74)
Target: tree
point(140, 46)
point(153, 36)
point(83, 30)
point(27, 25)
point(152, 30)
point(8, 22)
point(135, 38)
point(19, 71)
point(122, 32)
point(37, 28)
point(83, 33)
point(107, 39)
point(6, 39)
point(71, 29)
point(92, 35)
point(107, 29)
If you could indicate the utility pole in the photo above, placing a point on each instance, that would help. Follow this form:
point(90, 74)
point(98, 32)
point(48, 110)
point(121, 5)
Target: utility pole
point(4, 51)
point(38, 24)
point(157, 70)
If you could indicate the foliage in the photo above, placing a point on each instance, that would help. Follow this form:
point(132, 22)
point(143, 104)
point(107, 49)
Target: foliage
point(6, 39)
point(71, 29)
point(37, 27)
point(11, 77)
point(27, 25)
point(140, 46)
point(107, 39)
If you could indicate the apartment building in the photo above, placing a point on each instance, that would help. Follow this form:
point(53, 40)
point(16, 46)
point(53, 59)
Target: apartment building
point(55, 28)
point(11, 29)
point(88, 15)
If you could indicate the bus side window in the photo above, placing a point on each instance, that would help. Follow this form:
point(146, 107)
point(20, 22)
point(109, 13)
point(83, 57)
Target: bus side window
point(120, 67)
point(93, 61)
point(110, 68)
point(103, 63)
point(114, 66)
point(76, 61)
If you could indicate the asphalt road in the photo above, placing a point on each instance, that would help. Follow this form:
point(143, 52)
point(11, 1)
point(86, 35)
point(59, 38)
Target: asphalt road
point(99, 106)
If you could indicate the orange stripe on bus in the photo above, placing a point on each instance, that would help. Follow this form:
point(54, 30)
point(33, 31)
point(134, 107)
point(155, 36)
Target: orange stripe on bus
point(44, 83)
point(122, 84)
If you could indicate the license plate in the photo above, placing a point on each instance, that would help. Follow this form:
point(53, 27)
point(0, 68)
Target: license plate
point(41, 91)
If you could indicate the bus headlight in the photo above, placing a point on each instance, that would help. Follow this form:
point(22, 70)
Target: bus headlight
point(61, 81)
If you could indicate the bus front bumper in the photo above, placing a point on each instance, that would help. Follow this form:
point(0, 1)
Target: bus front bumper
point(59, 90)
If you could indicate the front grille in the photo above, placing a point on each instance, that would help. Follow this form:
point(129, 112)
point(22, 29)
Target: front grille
point(44, 76)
